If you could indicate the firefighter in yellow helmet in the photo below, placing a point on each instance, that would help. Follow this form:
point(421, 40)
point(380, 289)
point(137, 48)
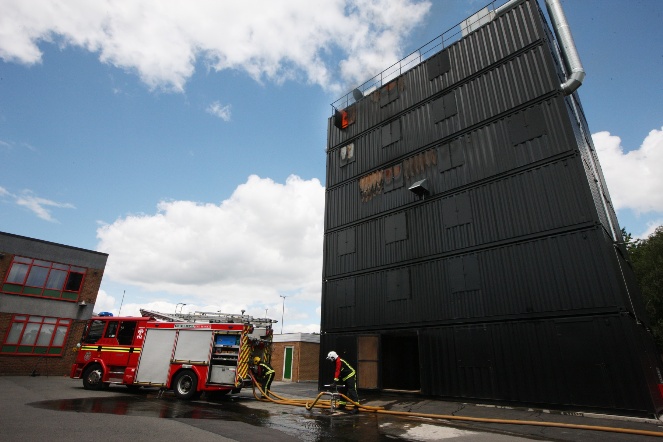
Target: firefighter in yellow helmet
point(264, 374)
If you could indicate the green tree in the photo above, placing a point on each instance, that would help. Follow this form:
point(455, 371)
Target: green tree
point(646, 256)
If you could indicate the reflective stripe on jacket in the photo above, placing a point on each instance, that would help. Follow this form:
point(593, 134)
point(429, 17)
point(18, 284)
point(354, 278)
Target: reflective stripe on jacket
point(266, 369)
point(343, 369)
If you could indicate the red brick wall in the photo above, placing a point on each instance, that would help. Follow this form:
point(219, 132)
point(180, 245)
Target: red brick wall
point(4, 265)
point(305, 360)
point(91, 286)
point(309, 360)
point(277, 360)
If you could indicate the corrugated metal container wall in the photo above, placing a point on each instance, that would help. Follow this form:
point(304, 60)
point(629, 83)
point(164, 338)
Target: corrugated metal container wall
point(568, 362)
point(489, 96)
point(552, 275)
point(492, 211)
point(479, 154)
point(508, 267)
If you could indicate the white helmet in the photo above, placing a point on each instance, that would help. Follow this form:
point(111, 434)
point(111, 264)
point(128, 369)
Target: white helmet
point(332, 356)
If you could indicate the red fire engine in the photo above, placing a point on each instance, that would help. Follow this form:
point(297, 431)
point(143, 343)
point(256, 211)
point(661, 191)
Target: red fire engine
point(188, 353)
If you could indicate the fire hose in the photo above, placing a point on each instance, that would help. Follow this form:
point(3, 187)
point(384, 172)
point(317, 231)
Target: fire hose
point(318, 403)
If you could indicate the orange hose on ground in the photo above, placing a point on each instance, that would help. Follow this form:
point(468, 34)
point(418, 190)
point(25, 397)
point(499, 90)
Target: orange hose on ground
point(369, 409)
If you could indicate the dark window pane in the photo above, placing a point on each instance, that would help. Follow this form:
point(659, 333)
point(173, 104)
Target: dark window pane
point(126, 334)
point(111, 330)
point(74, 282)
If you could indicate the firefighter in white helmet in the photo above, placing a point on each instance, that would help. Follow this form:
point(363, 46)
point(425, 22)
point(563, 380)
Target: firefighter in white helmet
point(347, 375)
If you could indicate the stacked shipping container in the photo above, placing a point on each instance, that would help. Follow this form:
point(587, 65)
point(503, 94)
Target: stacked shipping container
point(500, 278)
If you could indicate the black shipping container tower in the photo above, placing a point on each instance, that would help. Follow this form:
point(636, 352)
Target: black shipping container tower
point(471, 248)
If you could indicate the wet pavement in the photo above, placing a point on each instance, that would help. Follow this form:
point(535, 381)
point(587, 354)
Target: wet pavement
point(58, 408)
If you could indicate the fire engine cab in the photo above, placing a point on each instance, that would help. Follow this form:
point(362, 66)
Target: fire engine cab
point(186, 353)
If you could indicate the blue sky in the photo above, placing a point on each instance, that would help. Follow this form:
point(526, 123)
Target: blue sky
point(188, 142)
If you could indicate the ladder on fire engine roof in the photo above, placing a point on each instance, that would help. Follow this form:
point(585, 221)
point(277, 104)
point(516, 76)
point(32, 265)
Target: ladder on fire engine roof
point(207, 317)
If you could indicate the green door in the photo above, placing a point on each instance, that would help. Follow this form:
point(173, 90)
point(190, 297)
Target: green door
point(287, 363)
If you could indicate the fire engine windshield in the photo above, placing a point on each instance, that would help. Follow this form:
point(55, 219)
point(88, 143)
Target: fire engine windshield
point(95, 330)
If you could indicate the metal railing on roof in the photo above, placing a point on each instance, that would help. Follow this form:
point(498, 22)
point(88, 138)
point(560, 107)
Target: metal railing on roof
point(413, 59)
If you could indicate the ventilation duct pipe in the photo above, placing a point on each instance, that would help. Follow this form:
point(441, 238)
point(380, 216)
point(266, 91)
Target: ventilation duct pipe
point(569, 52)
point(565, 39)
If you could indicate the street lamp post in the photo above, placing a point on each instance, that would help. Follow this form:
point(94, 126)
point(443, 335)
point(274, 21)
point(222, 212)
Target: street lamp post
point(178, 305)
point(282, 311)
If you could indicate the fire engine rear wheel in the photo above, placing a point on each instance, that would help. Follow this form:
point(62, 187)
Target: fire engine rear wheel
point(186, 385)
point(92, 377)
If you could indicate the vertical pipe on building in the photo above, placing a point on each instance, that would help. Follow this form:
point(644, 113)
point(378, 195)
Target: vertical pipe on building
point(575, 71)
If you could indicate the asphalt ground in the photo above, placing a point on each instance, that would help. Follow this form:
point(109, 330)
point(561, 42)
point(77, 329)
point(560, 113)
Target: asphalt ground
point(58, 408)
point(415, 404)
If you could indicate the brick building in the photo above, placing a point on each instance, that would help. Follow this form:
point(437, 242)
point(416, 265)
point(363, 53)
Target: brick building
point(47, 294)
point(295, 356)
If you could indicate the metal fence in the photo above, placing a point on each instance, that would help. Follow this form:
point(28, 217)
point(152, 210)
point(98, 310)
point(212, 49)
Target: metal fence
point(448, 37)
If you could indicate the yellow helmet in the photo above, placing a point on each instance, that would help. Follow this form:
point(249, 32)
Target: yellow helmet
point(256, 360)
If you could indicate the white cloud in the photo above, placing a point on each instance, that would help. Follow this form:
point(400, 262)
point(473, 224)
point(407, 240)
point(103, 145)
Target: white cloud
point(9, 146)
point(634, 178)
point(219, 110)
point(163, 40)
point(104, 303)
point(651, 227)
point(262, 242)
point(37, 205)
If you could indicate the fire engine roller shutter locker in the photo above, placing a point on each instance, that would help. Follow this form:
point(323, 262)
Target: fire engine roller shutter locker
point(192, 347)
point(155, 356)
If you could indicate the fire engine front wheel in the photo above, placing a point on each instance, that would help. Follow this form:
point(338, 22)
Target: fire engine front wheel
point(186, 385)
point(92, 378)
